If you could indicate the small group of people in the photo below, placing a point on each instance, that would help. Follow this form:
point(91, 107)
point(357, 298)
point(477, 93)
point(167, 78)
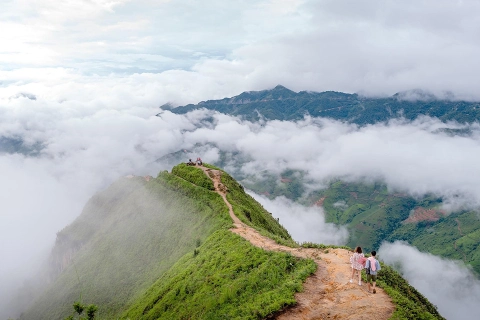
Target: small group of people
point(371, 266)
point(198, 162)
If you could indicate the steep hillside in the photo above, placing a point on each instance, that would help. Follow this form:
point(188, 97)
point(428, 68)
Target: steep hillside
point(281, 103)
point(130, 234)
point(328, 294)
point(125, 238)
point(160, 248)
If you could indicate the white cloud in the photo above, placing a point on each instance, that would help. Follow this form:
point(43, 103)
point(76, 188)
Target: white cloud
point(305, 224)
point(447, 284)
point(375, 48)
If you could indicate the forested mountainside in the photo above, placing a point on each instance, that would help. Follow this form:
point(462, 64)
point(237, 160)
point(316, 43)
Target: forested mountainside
point(160, 248)
point(281, 103)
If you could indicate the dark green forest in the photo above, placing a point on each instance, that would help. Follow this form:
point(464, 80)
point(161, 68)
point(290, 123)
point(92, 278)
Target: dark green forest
point(281, 103)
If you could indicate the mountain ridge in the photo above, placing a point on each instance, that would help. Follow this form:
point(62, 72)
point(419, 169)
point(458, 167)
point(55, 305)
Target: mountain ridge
point(244, 281)
point(281, 103)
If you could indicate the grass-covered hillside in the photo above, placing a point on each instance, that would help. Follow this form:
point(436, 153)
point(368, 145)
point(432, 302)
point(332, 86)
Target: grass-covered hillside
point(225, 278)
point(160, 248)
point(139, 237)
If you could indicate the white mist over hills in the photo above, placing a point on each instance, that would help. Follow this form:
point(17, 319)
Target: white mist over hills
point(449, 285)
point(83, 81)
point(303, 223)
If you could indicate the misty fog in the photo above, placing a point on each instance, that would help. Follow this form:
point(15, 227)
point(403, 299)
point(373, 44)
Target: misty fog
point(305, 224)
point(449, 285)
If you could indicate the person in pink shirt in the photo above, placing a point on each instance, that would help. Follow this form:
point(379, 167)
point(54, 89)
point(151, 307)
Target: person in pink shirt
point(358, 262)
point(372, 266)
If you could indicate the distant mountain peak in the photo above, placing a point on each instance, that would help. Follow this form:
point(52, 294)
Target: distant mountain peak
point(280, 87)
point(415, 95)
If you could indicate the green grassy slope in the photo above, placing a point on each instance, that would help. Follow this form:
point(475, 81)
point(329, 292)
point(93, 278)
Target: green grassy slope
point(456, 236)
point(227, 278)
point(370, 211)
point(126, 237)
point(129, 235)
point(252, 213)
point(160, 249)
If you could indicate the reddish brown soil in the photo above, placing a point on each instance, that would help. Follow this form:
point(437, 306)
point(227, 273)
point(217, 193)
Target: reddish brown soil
point(327, 294)
point(319, 202)
point(422, 214)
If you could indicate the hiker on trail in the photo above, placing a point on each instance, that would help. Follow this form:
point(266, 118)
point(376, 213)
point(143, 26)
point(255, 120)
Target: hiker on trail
point(190, 162)
point(199, 161)
point(358, 262)
point(372, 266)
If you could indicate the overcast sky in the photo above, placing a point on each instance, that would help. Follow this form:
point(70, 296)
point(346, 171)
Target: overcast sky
point(85, 79)
point(189, 50)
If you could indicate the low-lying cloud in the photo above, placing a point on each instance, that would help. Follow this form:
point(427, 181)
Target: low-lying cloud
point(449, 285)
point(413, 157)
point(305, 224)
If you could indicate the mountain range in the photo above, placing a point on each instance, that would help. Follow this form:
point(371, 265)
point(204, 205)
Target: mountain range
point(281, 103)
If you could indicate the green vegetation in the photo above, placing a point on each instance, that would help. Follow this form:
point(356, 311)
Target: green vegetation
point(455, 236)
point(90, 311)
point(220, 283)
point(161, 249)
point(252, 213)
point(194, 175)
point(374, 214)
point(132, 233)
point(410, 304)
point(126, 238)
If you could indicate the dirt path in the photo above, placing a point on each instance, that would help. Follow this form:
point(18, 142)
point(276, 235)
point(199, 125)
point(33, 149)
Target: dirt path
point(327, 293)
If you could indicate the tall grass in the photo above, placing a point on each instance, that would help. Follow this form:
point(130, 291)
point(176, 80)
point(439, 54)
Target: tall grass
point(227, 279)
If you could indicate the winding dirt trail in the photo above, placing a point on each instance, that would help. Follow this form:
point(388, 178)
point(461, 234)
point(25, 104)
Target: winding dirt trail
point(327, 293)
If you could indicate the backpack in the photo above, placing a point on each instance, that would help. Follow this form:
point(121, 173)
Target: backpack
point(362, 261)
point(367, 270)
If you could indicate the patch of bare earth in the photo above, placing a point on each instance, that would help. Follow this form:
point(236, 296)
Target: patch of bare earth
point(319, 202)
point(327, 294)
point(422, 214)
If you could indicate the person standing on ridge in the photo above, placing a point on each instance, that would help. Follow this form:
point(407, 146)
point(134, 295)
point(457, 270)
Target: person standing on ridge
point(357, 260)
point(372, 266)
